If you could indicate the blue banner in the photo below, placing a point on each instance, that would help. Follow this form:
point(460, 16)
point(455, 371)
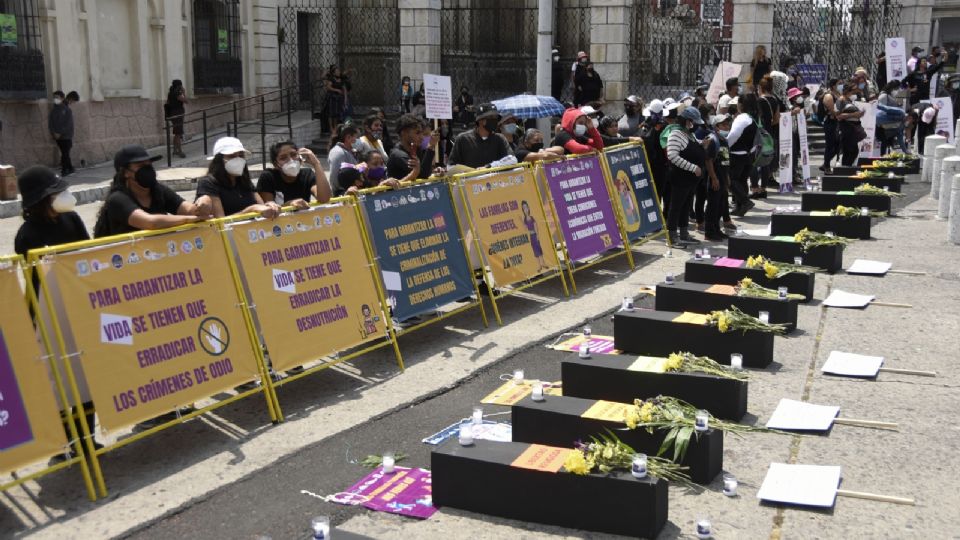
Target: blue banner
point(812, 73)
point(633, 187)
point(415, 237)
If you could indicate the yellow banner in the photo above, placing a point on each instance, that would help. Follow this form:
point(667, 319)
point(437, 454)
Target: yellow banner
point(539, 457)
point(651, 364)
point(30, 428)
point(691, 318)
point(609, 411)
point(157, 322)
point(511, 226)
point(510, 393)
point(309, 277)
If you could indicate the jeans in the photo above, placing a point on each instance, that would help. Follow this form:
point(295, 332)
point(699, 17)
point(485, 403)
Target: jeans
point(740, 167)
point(681, 195)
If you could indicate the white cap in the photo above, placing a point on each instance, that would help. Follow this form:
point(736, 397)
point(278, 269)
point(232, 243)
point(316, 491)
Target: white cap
point(656, 106)
point(229, 145)
point(669, 101)
point(588, 110)
point(633, 99)
point(928, 115)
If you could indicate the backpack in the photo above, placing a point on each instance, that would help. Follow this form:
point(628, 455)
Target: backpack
point(763, 149)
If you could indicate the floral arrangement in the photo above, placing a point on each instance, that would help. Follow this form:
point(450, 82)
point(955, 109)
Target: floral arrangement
point(900, 156)
point(679, 417)
point(747, 288)
point(775, 270)
point(851, 212)
point(881, 164)
point(867, 189)
point(734, 319)
point(866, 173)
point(607, 453)
point(687, 362)
point(810, 239)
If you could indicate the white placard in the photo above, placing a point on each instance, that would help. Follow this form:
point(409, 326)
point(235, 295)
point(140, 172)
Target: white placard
point(804, 146)
point(840, 298)
point(802, 416)
point(718, 84)
point(392, 281)
point(852, 365)
point(785, 170)
point(758, 232)
point(869, 146)
point(944, 118)
point(807, 485)
point(864, 266)
point(896, 55)
point(439, 99)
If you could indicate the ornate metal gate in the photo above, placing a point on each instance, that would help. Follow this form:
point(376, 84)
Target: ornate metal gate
point(490, 46)
point(675, 48)
point(842, 34)
point(363, 38)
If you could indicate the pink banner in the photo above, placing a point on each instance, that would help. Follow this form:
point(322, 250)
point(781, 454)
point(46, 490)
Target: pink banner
point(728, 262)
point(405, 491)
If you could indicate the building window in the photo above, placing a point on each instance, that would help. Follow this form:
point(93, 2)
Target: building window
point(217, 68)
point(21, 54)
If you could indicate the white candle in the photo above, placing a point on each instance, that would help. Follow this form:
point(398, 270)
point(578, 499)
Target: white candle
point(668, 278)
point(587, 331)
point(321, 527)
point(537, 393)
point(698, 254)
point(739, 230)
point(736, 361)
point(627, 304)
point(864, 211)
point(639, 466)
point(764, 317)
point(782, 293)
point(388, 462)
point(706, 253)
point(701, 420)
point(798, 261)
point(890, 174)
point(703, 528)
point(829, 233)
point(729, 485)
point(585, 349)
point(465, 437)
point(518, 376)
point(477, 416)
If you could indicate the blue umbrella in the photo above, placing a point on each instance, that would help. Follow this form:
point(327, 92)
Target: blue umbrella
point(529, 106)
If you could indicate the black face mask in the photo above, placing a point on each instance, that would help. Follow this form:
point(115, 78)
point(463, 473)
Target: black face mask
point(536, 147)
point(146, 176)
point(491, 126)
point(630, 110)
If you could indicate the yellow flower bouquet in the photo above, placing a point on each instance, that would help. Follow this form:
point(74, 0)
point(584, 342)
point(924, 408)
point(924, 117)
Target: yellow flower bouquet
point(747, 288)
point(734, 319)
point(811, 239)
point(774, 270)
point(607, 453)
point(687, 362)
point(869, 173)
point(851, 212)
point(868, 189)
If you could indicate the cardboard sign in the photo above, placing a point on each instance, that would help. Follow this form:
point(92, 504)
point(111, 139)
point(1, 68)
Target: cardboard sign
point(609, 411)
point(844, 299)
point(728, 290)
point(944, 126)
point(807, 485)
point(598, 344)
point(158, 323)
point(649, 364)
point(691, 318)
point(869, 146)
point(724, 71)
point(896, 55)
point(30, 428)
point(438, 97)
point(539, 457)
point(511, 393)
point(309, 277)
point(405, 491)
point(802, 416)
point(785, 163)
point(488, 431)
point(804, 146)
point(634, 191)
point(864, 266)
point(852, 365)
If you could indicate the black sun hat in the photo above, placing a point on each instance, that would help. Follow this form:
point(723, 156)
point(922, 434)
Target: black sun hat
point(132, 153)
point(37, 183)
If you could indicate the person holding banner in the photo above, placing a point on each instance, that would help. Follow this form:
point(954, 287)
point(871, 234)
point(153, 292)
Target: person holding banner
point(687, 161)
point(227, 186)
point(577, 136)
point(48, 216)
point(531, 148)
point(289, 183)
point(137, 201)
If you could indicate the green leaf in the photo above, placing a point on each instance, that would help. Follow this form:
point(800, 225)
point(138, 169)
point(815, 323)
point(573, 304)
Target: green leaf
point(668, 441)
point(681, 444)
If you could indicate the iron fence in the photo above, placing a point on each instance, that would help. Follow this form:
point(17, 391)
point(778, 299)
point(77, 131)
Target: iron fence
point(21, 55)
point(217, 64)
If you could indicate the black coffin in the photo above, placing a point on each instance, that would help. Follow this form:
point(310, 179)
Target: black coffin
point(829, 258)
point(557, 421)
point(654, 333)
point(480, 478)
point(793, 222)
point(705, 271)
point(828, 200)
point(849, 183)
point(911, 166)
point(704, 297)
point(609, 377)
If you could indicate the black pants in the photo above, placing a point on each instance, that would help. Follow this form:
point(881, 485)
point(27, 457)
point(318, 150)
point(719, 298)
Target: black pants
point(65, 165)
point(923, 131)
point(681, 198)
point(740, 166)
point(830, 149)
point(700, 200)
point(716, 207)
point(849, 145)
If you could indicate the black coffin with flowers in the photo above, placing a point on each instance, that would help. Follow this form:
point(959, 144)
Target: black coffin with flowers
point(910, 166)
point(610, 377)
point(789, 223)
point(703, 297)
point(709, 271)
point(559, 421)
point(656, 333)
point(849, 183)
point(785, 249)
point(483, 478)
point(828, 200)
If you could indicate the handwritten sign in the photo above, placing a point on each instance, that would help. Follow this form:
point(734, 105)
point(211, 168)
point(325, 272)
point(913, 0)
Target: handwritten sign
point(438, 97)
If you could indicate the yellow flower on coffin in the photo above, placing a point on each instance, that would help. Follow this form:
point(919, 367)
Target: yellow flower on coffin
point(646, 413)
point(771, 270)
point(674, 362)
point(752, 261)
point(632, 417)
point(746, 282)
point(722, 323)
point(576, 463)
point(607, 452)
point(801, 235)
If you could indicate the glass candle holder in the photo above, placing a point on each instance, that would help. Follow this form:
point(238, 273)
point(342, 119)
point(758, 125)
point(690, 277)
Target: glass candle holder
point(587, 331)
point(584, 351)
point(764, 317)
point(698, 254)
point(537, 393)
point(864, 211)
point(701, 420)
point(798, 261)
point(668, 279)
point(782, 293)
point(730, 485)
point(739, 230)
point(886, 188)
point(477, 415)
point(736, 361)
point(639, 466)
point(321, 527)
point(828, 233)
point(518, 376)
point(668, 253)
point(389, 461)
point(704, 528)
point(890, 174)
point(706, 253)
point(627, 304)
point(465, 435)
point(899, 163)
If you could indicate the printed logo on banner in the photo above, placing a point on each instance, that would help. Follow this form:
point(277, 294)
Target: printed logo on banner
point(83, 268)
point(214, 336)
point(263, 234)
point(97, 266)
point(172, 248)
point(303, 228)
point(288, 229)
point(186, 247)
point(277, 231)
point(117, 261)
point(253, 236)
point(134, 258)
point(198, 242)
point(151, 255)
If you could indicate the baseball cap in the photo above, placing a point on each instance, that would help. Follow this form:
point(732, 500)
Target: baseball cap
point(633, 99)
point(720, 118)
point(581, 54)
point(655, 107)
point(131, 153)
point(692, 114)
point(588, 110)
point(229, 145)
point(488, 111)
point(37, 182)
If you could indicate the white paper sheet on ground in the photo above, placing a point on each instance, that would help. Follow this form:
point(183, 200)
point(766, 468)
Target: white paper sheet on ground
point(758, 232)
point(808, 485)
point(802, 416)
point(852, 365)
point(864, 266)
point(840, 298)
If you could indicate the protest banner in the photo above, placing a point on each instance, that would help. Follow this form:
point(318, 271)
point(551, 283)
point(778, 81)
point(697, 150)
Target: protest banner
point(869, 146)
point(944, 125)
point(804, 146)
point(582, 204)
point(785, 163)
point(812, 73)
point(417, 241)
point(405, 491)
point(510, 225)
point(724, 71)
point(438, 97)
point(309, 276)
point(636, 193)
point(895, 51)
point(157, 321)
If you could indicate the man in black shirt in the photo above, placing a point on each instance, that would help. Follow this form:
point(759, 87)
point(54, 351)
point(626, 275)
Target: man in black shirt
point(409, 153)
point(482, 145)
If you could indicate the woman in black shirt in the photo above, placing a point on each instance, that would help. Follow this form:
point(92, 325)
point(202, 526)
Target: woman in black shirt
point(48, 216)
point(919, 80)
point(759, 66)
point(289, 183)
point(227, 186)
point(589, 84)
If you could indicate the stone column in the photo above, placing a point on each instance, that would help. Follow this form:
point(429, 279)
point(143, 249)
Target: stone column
point(266, 66)
point(610, 46)
point(752, 26)
point(419, 38)
point(915, 22)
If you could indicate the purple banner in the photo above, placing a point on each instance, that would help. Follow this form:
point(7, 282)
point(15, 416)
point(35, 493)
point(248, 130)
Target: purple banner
point(586, 217)
point(405, 491)
point(14, 423)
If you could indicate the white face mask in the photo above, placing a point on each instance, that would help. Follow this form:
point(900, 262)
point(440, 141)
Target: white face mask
point(235, 166)
point(64, 202)
point(57, 101)
point(291, 168)
point(579, 129)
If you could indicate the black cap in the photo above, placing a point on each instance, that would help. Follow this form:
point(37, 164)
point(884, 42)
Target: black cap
point(917, 49)
point(132, 153)
point(37, 182)
point(488, 111)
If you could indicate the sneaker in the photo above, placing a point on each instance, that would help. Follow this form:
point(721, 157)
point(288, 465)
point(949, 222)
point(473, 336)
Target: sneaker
point(730, 226)
point(685, 237)
point(716, 236)
point(676, 242)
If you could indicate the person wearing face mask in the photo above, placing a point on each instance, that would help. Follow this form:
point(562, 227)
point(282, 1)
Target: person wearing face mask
point(919, 80)
point(413, 153)
point(289, 182)
point(531, 148)
point(463, 107)
point(914, 57)
point(733, 90)
point(227, 186)
point(608, 128)
point(851, 131)
point(589, 84)
point(370, 173)
point(556, 75)
point(342, 151)
point(48, 211)
point(867, 88)
point(445, 145)
point(717, 163)
point(796, 106)
point(510, 130)
point(60, 124)
point(482, 145)
point(578, 66)
point(577, 134)
point(629, 124)
point(826, 112)
point(687, 160)
point(372, 138)
point(137, 201)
